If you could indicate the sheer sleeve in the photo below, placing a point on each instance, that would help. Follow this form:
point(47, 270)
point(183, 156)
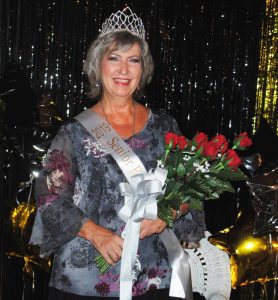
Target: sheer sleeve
point(58, 219)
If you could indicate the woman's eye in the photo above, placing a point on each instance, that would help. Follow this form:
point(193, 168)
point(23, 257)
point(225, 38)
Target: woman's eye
point(113, 58)
point(135, 60)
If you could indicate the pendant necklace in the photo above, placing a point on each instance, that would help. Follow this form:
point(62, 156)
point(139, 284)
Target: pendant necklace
point(133, 123)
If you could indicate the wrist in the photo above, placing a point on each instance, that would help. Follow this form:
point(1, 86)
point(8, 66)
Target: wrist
point(87, 228)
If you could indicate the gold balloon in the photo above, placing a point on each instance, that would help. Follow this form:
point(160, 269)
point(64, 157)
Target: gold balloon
point(21, 219)
point(44, 264)
point(252, 259)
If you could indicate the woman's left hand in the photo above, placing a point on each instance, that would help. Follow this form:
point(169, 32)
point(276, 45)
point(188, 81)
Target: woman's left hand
point(150, 227)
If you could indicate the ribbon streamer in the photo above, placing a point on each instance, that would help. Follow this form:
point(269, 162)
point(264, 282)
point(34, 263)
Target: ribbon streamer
point(140, 203)
point(181, 285)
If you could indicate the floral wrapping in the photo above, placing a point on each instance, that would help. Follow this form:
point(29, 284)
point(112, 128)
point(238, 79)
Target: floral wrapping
point(80, 181)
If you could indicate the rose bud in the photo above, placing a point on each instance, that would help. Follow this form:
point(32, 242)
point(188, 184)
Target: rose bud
point(242, 141)
point(199, 138)
point(182, 142)
point(171, 140)
point(232, 159)
point(221, 142)
point(210, 150)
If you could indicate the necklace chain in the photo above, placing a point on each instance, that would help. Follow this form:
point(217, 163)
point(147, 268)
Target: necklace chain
point(133, 123)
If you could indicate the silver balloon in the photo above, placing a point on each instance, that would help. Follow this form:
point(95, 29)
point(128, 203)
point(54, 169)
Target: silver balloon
point(264, 189)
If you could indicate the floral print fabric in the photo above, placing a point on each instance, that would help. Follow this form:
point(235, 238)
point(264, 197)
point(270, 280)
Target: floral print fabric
point(79, 181)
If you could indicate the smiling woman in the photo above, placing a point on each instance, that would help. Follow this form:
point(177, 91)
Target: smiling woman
point(83, 192)
point(118, 66)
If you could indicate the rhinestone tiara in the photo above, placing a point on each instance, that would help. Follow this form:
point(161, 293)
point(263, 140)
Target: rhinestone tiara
point(124, 20)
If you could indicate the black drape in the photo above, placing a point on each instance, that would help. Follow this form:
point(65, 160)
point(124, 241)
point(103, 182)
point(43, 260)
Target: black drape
point(206, 55)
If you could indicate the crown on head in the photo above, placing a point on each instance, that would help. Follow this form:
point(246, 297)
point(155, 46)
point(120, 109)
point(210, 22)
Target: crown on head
point(124, 20)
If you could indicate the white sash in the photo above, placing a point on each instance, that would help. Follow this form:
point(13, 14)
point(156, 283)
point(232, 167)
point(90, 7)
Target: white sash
point(140, 194)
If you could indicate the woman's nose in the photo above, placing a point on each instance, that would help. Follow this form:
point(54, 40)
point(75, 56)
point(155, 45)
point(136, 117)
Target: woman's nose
point(124, 68)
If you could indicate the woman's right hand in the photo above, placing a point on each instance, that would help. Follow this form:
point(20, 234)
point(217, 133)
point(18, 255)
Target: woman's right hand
point(108, 244)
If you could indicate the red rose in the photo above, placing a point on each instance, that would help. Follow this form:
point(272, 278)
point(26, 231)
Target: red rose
point(221, 142)
point(242, 141)
point(223, 148)
point(199, 138)
point(171, 140)
point(210, 150)
point(200, 149)
point(182, 142)
point(232, 159)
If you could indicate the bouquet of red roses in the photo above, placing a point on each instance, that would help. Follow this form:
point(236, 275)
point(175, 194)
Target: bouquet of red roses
point(198, 169)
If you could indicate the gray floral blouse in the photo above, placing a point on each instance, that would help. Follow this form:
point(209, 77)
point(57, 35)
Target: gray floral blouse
point(80, 181)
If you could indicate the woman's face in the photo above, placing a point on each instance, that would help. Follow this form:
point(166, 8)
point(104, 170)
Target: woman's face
point(121, 72)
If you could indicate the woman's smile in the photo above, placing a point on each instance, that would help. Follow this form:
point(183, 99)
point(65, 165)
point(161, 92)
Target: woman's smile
point(121, 81)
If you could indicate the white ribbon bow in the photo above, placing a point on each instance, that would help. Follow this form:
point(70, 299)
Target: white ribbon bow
point(140, 195)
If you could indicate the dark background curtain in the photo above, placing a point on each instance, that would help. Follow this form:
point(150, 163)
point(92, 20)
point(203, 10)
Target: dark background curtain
point(206, 55)
point(205, 52)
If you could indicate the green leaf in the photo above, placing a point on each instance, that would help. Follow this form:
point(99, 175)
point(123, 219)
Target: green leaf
point(231, 175)
point(220, 185)
point(165, 214)
point(171, 171)
point(180, 170)
point(176, 187)
point(214, 164)
point(227, 187)
point(169, 186)
point(185, 198)
point(175, 158)
point(202, 187)
point(195, 204)
point(194, 194)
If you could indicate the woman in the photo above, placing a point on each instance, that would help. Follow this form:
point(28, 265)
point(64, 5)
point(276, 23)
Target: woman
point(77, 191)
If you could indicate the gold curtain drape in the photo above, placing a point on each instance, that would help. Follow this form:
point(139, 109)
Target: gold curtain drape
point(267, 82)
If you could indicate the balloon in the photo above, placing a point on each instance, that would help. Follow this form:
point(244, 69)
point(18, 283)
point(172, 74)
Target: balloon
point(44, 264)
point(21, 219)
point(252, 163)
point(264, 189)
point(252, 241)
point(252, 259)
